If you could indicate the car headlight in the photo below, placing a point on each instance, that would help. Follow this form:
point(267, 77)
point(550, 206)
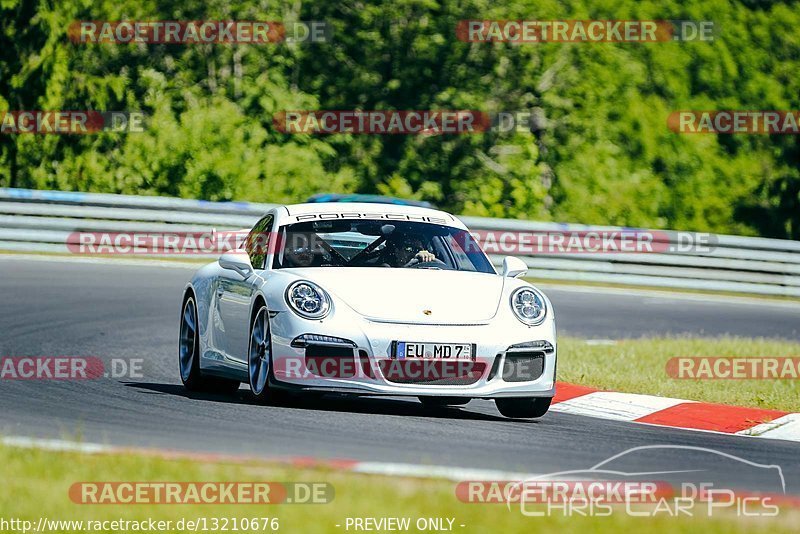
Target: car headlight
point(308, 300)
point(529, 306)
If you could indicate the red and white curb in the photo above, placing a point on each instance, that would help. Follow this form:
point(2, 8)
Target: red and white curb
point(676, 413)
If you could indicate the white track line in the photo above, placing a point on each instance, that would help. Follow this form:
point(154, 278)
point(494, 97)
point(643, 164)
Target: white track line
point(437, 471)
point(55, 445)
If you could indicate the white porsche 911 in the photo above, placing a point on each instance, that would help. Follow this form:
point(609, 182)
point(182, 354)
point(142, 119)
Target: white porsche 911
point(368, 299)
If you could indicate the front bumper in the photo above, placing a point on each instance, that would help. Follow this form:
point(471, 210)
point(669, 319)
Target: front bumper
point(371, 344)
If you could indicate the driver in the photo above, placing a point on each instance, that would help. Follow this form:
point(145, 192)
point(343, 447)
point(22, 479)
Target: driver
point(303, 250)
point(407, 250)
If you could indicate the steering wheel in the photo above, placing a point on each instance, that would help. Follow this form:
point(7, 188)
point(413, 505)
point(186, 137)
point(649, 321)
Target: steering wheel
point(433, 264)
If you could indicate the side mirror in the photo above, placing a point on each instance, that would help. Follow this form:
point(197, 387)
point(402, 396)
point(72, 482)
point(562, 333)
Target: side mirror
point(514, 267)
point(237, 261)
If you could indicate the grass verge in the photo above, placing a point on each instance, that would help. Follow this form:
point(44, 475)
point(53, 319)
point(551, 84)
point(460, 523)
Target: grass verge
point(36, 484)
point(639, 366)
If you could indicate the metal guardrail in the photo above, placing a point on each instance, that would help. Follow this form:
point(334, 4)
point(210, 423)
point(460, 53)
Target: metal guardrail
point(44, 221)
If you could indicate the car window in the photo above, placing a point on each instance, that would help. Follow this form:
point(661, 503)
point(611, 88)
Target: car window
point(379, 243)
point(460, 257)
point(257, 243)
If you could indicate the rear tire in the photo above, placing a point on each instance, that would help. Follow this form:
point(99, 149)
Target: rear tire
point(525, 408)
point(189, 356)
point(436, 402)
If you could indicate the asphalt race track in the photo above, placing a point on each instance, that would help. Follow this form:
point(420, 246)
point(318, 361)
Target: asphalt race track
point(124, 311)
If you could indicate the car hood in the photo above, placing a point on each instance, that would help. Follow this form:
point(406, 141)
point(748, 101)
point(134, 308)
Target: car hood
point(404, 295)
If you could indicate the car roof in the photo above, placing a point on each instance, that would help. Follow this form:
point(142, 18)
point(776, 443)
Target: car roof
point(367, 199)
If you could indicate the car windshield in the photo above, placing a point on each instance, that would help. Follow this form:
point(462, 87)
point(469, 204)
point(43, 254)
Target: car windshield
point(365, 243)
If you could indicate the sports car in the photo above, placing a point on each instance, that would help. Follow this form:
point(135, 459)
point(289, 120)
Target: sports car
point(368, 299)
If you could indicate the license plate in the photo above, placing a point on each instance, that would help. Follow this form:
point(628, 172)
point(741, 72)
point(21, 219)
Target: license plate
point(434, 351)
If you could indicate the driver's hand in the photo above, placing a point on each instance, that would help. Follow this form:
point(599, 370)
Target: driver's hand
point(424, 256)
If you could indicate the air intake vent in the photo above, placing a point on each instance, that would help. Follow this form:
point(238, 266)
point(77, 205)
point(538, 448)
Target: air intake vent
point(523, 366)
point(331, 361)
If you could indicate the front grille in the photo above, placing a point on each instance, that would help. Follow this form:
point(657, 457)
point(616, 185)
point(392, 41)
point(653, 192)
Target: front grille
point(523, 366)
point(432, 372)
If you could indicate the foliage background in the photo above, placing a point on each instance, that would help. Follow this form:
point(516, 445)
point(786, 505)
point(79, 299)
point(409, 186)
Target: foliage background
point(600, 154)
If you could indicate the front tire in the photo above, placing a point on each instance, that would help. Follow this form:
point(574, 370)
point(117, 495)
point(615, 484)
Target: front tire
point(437, 402)
point(189, 356)
point(526, 408)
point(259, 359)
